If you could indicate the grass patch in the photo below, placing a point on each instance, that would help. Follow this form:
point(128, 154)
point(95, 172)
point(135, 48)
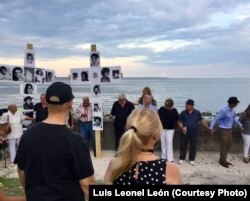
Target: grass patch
point(11, 186)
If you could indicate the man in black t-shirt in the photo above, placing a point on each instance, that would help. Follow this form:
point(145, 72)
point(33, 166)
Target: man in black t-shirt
point(121, 110)
point(53, 162)
point(41, 109)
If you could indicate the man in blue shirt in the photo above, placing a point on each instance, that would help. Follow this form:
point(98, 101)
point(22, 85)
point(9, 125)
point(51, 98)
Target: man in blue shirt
point(189, 122)
point(226, 118)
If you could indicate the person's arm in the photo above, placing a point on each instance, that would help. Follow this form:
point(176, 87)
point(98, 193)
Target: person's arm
point(205, 124)
point(217, 117)
point(107, 174)
point(173, 176)
point(84, 183)
point(238, 123)
point(21, 177)
point(3, 197)
point(179, 122)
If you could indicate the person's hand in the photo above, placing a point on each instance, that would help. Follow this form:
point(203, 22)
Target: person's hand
point(211, 131)
point(241, 129)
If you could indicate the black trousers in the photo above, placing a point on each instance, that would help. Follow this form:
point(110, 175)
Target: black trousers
point(184, 140)
point(118, 134)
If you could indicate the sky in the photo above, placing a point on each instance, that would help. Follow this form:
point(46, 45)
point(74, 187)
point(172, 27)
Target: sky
point(147, 38)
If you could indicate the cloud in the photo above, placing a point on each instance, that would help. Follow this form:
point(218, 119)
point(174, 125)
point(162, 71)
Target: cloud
point(165, 34)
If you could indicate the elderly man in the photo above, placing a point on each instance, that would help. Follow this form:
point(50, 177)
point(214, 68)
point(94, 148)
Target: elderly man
point(121, 109)
point(41, 109)
point(226, 119)
point(189, 122)
point(84, 114)
point(147, 103)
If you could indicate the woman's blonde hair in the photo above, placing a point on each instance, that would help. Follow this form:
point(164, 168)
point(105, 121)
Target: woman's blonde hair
point(142, 124)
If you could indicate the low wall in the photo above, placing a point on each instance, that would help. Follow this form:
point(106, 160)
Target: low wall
point(206, 141)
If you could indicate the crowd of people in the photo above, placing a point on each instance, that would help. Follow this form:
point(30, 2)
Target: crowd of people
point(54, 161)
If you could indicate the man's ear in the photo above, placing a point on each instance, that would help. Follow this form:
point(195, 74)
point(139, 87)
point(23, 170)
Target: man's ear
point(70, 104)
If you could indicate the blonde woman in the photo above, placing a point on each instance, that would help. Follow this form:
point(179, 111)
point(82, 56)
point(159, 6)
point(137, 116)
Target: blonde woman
point(136, 162)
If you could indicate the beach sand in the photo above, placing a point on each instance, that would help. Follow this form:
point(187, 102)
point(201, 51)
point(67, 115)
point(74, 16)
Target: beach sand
point(206, 170)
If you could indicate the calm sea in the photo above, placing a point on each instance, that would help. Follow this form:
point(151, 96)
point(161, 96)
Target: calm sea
point(208, 94)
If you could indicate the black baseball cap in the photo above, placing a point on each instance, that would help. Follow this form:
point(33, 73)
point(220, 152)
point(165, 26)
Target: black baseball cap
point(233, 100)
point(190, 102)
point(59, 93)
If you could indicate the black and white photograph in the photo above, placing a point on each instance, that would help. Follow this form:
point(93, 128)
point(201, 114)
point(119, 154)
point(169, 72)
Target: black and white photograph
point(79, 75)
point(40, 75)
point(95, 75)
point(116, 76)
point(29, 74)
point(94, 59)
point(17, 74)
point(97, 123)
point(29, 58)
point(84, 76)
point(27, 123)
point(28, 103)
point(50, 76)
point(96, 105)
point(75, 75)
point(96, 90)
point(5, 73)
point(28, 89)
point(105, 75)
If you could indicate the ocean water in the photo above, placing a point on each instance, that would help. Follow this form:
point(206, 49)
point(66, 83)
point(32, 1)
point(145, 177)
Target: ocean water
point(208, 94)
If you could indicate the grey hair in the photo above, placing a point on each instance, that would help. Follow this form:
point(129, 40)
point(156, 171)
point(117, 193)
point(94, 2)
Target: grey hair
point(85, 98)
point(122, 96)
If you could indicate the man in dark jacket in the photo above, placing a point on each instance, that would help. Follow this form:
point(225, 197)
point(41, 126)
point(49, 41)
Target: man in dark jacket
point(121, 109)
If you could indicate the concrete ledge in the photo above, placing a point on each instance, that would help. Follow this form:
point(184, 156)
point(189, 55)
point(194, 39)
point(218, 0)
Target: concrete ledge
point(206, 141)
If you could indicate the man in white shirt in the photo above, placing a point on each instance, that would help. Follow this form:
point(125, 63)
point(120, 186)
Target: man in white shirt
point(84, 113)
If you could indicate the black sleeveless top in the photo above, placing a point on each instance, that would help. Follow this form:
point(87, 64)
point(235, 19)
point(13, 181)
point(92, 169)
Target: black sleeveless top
point(149, 173)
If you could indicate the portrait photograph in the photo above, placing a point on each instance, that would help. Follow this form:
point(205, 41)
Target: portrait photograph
point(96, 90)
point(105, 75)
point(28, 88)
point(17, 74)
point(95, 75)
point(29, 74)
point(5, 73)
point(28, 103)
point(40, 75)
point(94, 59)
point(96, 106)
point(116, 75)
point(97, 123)
point(50, 76)
point(29, 58)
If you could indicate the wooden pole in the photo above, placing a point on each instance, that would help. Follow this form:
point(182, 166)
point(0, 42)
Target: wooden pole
point(98, 144)
point(98, 148)
point(29, 46)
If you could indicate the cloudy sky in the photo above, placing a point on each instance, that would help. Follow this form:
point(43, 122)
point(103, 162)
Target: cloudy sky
point(167, 38)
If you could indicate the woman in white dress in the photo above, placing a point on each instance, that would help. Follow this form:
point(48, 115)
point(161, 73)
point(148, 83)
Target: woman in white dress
point(15, 119)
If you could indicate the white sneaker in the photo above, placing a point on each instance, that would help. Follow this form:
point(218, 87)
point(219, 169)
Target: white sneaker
point(192, 163)
point(180, 162)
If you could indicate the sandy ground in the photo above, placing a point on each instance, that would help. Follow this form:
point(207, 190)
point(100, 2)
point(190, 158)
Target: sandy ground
point(206, 169)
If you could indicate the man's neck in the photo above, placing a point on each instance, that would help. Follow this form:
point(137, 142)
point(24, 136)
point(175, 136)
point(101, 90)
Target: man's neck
point(57, 119)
